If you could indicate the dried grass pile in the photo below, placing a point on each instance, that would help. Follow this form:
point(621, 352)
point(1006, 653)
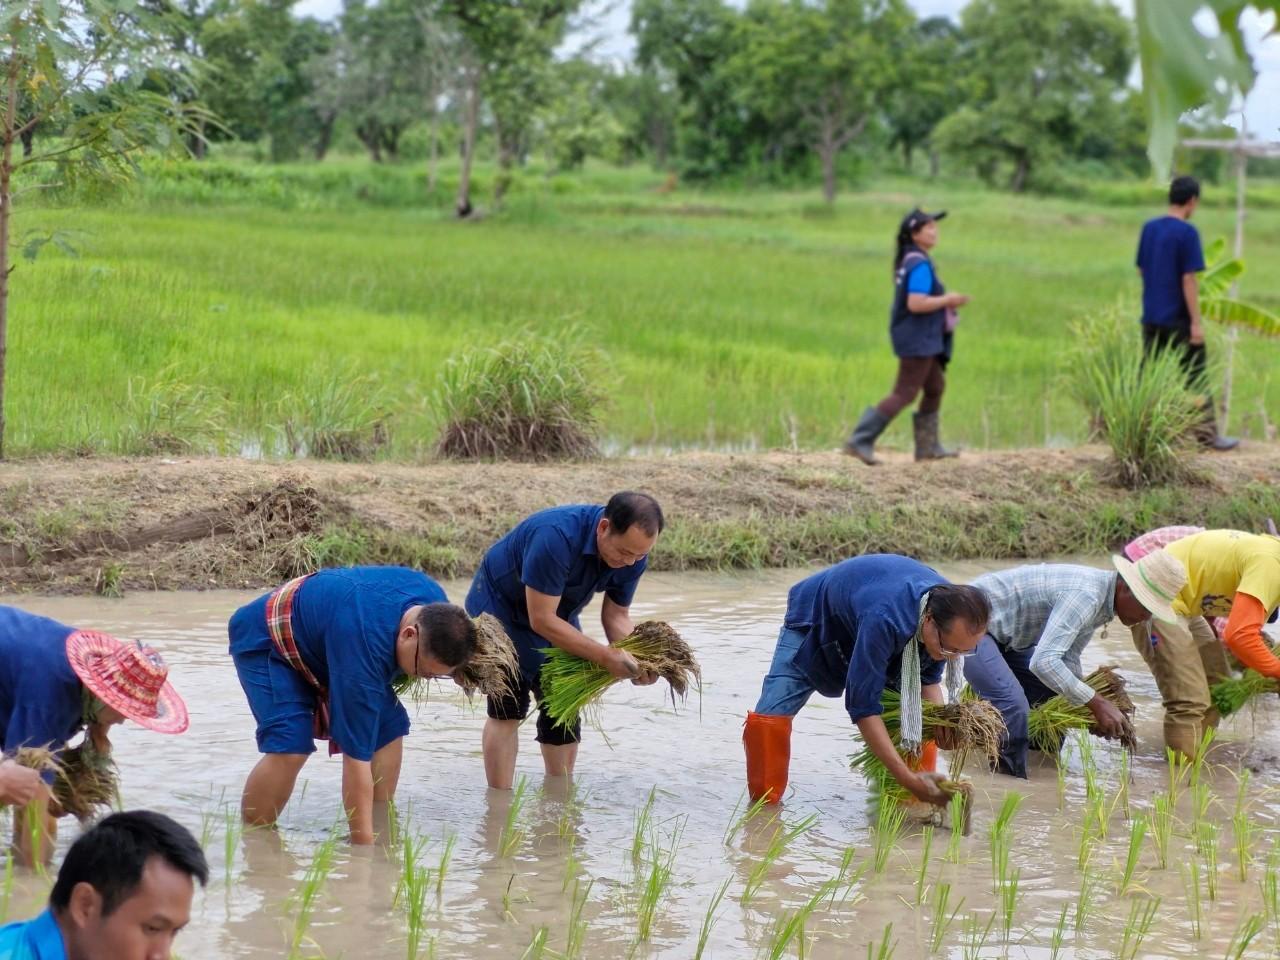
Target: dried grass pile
point(492, 670)
point(1049, 723)
point(85, 781)
point(571, 685)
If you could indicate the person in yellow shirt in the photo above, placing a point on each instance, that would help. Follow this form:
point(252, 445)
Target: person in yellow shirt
point(1230, 574)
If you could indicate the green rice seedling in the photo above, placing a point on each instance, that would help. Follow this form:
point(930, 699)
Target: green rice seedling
point(6, 892)
point(656, 883)
point(944, 915)
point(1179, 770)
point(889, 821)
point(1191, 885)
point(847, 876)
point(1002, 837)
point(308, 892)
point(975, 726)
point(1201, 801)
point(537, 947)
point(507, 913)
point(976, 936)
point(1010, 891)
point(958, 811)
point(1123, 779)
point(1088, 896)
point(571, 684)
point(1137, 833)
point(577, 935)
point(778, 843)
point(1062, 765)
point(1199, 758)
point(1162, 826)
point(416, 899)
point(923, 874)
point(1059, 935)
point(710, 917)
point(1207, 845)
point(1142, 915)
point(571, 864)
point(233, 829)
point(885, 949)
point(1049, 723)
point(1243, 833)
point(513, 831)
point(643, 823)
point(411, 848)
point(1232, 694)
point(789, 927)
point(442, 866)
point(1245, 933)
point(736, 825)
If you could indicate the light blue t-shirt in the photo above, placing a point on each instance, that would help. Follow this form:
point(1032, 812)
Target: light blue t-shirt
point(38, 939)
point(920, 279)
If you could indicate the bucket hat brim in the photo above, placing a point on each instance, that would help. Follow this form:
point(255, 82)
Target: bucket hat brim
point(89, 653)
point(1158, 606)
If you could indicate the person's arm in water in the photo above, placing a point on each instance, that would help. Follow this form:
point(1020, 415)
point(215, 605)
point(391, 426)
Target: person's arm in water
point(616, 621)
point(35, 831)
point(1191, 294)
point(876, 736)
point(547, 624)
point(357, 798)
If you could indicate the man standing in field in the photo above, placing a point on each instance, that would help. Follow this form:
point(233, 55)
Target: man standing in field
point(536, 580)
point(317, 658)
point(1042, 617)
point(1169, 259)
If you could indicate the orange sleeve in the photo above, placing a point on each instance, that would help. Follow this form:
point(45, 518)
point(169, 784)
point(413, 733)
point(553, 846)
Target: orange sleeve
point(1243, 635)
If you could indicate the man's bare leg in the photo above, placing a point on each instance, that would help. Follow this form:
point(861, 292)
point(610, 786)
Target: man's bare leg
point(500, 742)
point(269, 787)
point(559, 760)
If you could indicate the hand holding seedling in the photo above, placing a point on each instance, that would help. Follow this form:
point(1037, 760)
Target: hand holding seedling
point(1108, 720)
point(622, 665)
point(18, 784)
point(928, 788)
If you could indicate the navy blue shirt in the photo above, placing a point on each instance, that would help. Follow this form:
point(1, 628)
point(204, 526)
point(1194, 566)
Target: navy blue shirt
point(857, 617)
point(1168, 250)
point(345, 623)
point(41, 698)
point(38, 939)
point(554, 552)
point(918, 334)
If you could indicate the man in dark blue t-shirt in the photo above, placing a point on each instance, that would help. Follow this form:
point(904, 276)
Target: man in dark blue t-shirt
point(536, 580)
point(1169, 258)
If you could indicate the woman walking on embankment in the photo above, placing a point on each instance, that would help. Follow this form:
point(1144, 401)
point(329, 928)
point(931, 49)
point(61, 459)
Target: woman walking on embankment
point(920, 326)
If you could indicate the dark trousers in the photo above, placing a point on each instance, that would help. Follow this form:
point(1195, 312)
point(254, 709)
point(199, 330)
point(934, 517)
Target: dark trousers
point(1192, 356)
point(914, 375)
point(1004, 678)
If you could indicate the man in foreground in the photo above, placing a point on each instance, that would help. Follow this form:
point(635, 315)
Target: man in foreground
point(124, 892)
point(536, 580)
point(857, 628)
point(317, 658)
point(1042, 617)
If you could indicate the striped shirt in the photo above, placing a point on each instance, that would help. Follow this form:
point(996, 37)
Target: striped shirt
point(1056, 608)
point(1139, 547)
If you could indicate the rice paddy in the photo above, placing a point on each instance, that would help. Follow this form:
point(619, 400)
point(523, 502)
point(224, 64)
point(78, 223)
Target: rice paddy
point(650, 852)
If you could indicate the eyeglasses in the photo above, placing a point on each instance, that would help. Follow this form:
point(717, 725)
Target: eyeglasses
point(954, 654)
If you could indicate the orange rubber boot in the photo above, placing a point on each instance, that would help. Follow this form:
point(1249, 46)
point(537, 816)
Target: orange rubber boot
point(927, 762)
point(767, 740)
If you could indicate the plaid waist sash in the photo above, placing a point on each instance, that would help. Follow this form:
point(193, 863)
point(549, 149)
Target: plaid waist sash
point(280, 627)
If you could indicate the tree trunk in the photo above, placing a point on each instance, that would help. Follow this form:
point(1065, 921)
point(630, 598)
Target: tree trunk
point(369, 133)
point(471, 117)
point(1020, 174)
point(935, 163)
point(908, 148)
point(506, 160)
point(827, 152)
point(433, 157)
point(325, 137)
point(6, 203)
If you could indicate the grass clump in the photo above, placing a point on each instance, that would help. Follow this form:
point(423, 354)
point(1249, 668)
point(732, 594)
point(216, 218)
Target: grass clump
point(1049, 723)
point(570, 684)
point(527, 398)
point(338, 418)
point(491, 671)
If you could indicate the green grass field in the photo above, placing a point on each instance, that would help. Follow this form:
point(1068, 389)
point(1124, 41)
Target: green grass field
point(729, 319)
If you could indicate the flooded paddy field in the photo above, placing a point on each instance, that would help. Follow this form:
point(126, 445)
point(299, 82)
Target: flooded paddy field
point(648, 854)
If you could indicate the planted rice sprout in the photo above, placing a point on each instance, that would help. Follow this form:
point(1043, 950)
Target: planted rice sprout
point(944, 915)
point(790, 926)
point(1179, 769)
point(86, 783)
point(1245, 933)
point(1137, 833)
point(1142, 915)
point(1207, 846)
point(847, 876)
point(491, 671)
point(643, 825)
point(778, 843)
point(656, 882)
point(1049, 723)
point(710, 917)
point(577, 934)
point(1059, 935)
point(884, 950)
point(1010, 891)
point(513, 831)
point(1123, 779)
point(922, 875)
point(1088, 896)
point(1002, 838)
point(442, 866)
point(416, 915)
point(959, 811)
point(411, 848)
point(976, 936)
point(537, 948)
point(1243, 830)
point(1191, 886)
point(1162, 827)
point(572, 685)
point(736, 825)
point(889, 821)
point(308, 892)
point(234, 829)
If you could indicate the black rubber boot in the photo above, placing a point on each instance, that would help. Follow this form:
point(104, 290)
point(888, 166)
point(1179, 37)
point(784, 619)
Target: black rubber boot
point(928, 447)
point(862, 442)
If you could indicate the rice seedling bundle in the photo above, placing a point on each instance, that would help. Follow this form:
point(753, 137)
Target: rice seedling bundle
point(967, 725)
point(85, 781)
point(571, 685)
point(1049, 723)
point(1230, 695)
point(491, 671)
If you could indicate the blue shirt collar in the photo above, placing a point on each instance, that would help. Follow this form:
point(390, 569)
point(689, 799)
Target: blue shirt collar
point(44, 937)
point(589, 547)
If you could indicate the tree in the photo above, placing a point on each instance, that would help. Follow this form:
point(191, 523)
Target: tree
point(1039, 73)
point(820, 68)
point(927, 91)
point(576, 121)
point(644, 103)
point(80, 68)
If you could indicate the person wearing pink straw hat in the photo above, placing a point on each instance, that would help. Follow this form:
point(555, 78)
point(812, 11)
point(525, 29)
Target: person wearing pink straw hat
point(317, 659)
point(55, 681)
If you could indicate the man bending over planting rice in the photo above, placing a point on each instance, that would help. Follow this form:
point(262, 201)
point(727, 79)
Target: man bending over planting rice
point(55, 681)
point(536, 580)
point(317, 658)
point(1042, 617)
point(1230, 574)
point(866, 624)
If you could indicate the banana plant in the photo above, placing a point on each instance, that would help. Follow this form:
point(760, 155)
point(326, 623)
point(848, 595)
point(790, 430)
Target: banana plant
point(1217, 304)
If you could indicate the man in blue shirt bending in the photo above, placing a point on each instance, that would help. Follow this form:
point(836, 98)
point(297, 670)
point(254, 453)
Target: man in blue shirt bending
point(124, 891)
point(1169, 258)
point(317, 658)
point(536, 580)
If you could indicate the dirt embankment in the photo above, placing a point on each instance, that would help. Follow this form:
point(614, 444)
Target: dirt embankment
point(115, 525)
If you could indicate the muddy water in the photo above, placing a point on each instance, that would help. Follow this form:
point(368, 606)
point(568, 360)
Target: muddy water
point(493, 906)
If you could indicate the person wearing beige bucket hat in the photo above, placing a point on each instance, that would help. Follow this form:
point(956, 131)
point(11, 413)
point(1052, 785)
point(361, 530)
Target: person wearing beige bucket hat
point(1230, 574)
point(55, 681)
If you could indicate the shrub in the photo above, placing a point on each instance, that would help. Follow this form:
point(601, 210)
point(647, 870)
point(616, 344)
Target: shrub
point(528, 398)
point(1140, 406)
point(338, 418)
point(169, 415)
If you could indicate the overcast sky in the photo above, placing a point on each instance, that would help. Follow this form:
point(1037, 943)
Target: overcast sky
point(1262, 110)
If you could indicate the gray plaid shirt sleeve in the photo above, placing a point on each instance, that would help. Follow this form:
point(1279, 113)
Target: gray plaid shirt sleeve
point(1066, 633)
